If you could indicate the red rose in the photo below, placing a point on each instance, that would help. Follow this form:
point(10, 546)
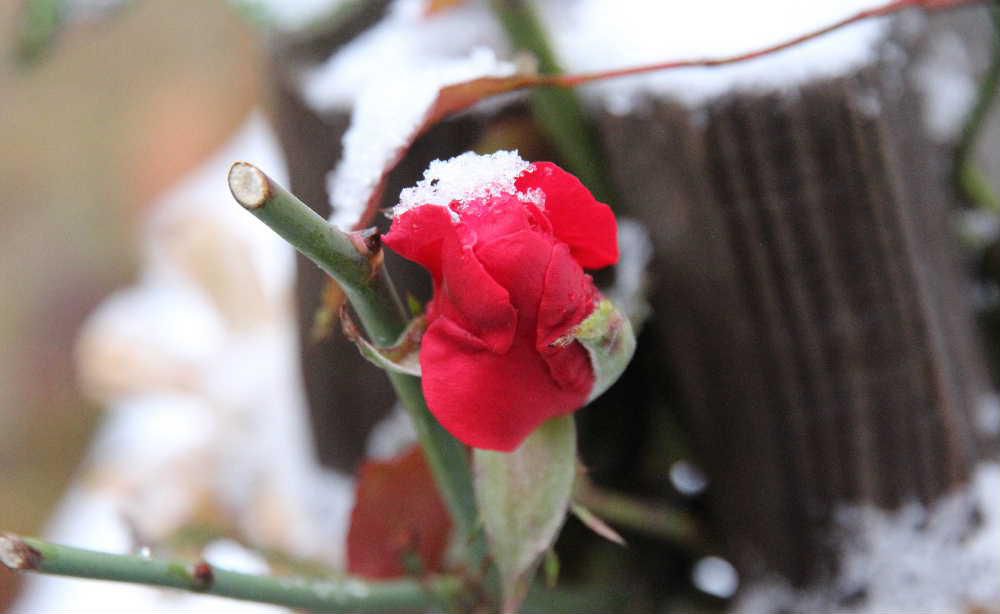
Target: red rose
point(506, 243)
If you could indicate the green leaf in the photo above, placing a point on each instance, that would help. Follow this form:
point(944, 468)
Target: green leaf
point(402, 357)
point(523, 499)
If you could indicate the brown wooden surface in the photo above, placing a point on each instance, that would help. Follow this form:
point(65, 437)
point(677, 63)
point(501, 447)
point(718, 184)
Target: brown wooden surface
point(809, 296)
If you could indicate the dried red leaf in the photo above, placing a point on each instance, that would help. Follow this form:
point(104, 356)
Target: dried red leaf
point(398, 517)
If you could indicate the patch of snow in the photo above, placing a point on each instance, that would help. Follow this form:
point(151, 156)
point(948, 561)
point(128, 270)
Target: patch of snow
point(391, 435)
point(632, 271)
point(402, 42)
point(943, 559)
point(387, 116)
point(464, 178)
point(390, 76)
point(945, 78)
point(591, 35)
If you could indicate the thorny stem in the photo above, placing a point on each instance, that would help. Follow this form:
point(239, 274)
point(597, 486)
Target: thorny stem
point(657, 520)
point(967, 176)
point(354, 260)
point(338, 595)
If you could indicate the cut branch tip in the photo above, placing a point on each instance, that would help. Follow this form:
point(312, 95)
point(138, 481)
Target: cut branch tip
point(249, 185)
point(203, 576)
point(16, 554)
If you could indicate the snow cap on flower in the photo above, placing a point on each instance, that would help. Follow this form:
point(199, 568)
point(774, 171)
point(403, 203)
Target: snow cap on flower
point(506, 242)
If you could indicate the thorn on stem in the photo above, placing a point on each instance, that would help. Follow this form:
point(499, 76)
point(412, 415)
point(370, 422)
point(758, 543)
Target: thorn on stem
point(203, 576)
point(16, 554)
point(374, 242)
point(249, 186)
point(367, 241)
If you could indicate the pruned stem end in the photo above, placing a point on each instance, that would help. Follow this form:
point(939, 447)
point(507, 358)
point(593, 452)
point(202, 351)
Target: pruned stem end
point(16, 554)
point(249, 185)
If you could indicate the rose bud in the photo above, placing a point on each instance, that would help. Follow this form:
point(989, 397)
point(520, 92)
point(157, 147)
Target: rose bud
point(517, 332)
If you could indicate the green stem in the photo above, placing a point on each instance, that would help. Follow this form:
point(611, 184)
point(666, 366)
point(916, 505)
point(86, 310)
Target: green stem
point(657, 520)
point(341, 595)
point(354, 260)
point(557, 109)
point(969, 180)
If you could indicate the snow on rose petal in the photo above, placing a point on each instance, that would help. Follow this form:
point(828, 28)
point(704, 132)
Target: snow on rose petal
point(398, 516)
point(506, 243)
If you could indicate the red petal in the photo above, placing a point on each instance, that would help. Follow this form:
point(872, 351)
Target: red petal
point(568, 298)
point(487, 400)
point(418, 234)
point(397, 512)
point(578, 219)
point(470, 296)
point(518, 262)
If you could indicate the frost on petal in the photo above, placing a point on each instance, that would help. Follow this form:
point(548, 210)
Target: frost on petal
point(578, 219)
point(464, 178)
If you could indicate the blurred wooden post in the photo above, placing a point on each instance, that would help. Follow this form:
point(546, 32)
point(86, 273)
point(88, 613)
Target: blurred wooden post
point(809, 295)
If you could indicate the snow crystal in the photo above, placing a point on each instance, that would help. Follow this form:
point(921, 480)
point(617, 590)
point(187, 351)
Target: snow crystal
point(594, 35)
point(911, 560)
point(465, 178)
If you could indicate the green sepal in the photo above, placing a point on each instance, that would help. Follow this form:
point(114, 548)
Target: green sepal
point(523, 498)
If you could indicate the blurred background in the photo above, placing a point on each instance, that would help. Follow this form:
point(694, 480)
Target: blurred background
point(745, 196)
point(116, 111)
